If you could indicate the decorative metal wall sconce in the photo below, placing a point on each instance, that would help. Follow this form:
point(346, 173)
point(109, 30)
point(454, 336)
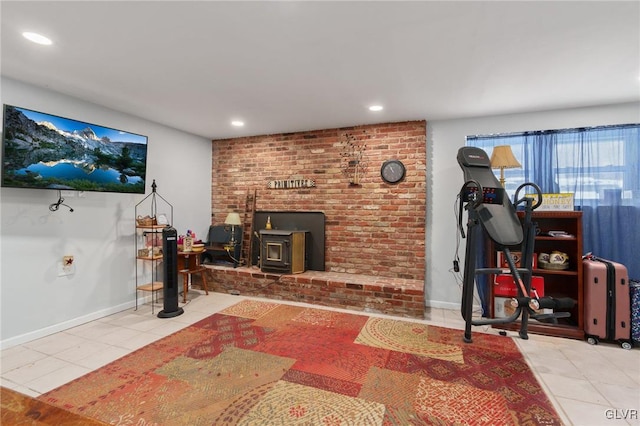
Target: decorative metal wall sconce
point(353, 162)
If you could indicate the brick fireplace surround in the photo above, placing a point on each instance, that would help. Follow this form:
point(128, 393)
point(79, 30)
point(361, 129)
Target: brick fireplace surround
point(374, 232)
point(394, 296)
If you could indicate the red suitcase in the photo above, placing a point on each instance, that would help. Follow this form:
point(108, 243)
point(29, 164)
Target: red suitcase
point(607, 306)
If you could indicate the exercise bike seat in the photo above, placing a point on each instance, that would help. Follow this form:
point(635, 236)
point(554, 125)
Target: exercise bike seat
point(499, 220)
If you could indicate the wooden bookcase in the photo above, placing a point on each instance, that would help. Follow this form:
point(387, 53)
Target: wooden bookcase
point(557, 283)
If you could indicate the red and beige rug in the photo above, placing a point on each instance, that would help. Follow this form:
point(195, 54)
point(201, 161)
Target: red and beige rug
point(264, 363)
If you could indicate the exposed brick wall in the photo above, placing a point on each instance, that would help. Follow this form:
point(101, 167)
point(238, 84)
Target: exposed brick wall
point(374, 228)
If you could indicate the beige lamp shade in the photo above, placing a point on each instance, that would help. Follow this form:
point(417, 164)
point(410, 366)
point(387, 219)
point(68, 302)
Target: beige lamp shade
point(233, 219)
point(503, 158)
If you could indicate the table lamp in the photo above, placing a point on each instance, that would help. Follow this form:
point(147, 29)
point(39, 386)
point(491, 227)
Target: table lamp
point(233, 219)
point(503, 158)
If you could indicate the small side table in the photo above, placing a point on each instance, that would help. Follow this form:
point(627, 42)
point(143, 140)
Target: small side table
point(191, 265)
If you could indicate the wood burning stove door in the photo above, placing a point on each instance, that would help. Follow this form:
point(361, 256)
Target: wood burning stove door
point(274, 252)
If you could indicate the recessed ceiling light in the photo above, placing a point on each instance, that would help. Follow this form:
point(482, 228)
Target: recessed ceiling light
point(37, 38)
point(375, 108)
point(237, 123)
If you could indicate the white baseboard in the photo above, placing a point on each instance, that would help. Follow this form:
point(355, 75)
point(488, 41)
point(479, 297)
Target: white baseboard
point(43, 332)
point(442, 305)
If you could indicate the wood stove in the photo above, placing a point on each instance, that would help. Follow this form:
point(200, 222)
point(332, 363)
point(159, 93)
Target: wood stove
point(283, 251)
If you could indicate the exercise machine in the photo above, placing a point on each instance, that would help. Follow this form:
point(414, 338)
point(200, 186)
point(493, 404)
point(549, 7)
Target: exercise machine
point(491, 213)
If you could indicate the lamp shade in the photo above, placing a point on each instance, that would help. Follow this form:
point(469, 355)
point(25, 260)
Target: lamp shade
point(503, 158)
point(233, 219)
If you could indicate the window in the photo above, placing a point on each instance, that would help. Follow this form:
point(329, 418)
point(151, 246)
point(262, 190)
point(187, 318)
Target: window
point(598, 165)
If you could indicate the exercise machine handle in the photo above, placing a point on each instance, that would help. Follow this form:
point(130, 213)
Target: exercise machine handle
point(538, 191)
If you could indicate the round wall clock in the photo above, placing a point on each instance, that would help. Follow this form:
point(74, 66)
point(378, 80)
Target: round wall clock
point(392, 171)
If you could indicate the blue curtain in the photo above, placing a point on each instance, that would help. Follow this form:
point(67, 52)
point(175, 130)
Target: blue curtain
point(599, 165)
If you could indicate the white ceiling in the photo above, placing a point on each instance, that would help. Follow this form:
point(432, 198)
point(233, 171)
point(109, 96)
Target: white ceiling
point(291, 66)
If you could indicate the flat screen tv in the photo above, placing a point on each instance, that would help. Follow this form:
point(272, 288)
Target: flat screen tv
point(45, 151)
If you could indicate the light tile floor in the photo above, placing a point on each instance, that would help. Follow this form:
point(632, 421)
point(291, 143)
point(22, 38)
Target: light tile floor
point(588, 385)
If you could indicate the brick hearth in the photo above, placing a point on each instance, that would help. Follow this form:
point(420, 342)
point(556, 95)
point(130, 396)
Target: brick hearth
point(393, 296)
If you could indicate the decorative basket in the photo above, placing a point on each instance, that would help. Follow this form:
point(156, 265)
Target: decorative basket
point(146, 221)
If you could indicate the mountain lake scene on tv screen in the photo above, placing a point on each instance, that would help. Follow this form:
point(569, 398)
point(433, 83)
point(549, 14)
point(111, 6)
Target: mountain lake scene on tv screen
point(46, 151)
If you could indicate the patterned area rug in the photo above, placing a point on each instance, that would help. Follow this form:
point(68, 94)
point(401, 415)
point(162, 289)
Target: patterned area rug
point(264, 363)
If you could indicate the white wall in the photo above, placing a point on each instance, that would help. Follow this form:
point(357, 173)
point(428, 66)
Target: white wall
point(35, 301)
point(444, 180)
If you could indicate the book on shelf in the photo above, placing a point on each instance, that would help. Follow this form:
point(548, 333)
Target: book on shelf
point(560, 234)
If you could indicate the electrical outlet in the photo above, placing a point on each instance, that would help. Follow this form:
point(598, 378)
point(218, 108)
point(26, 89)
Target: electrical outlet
point(67, 194)
point(67, 266)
